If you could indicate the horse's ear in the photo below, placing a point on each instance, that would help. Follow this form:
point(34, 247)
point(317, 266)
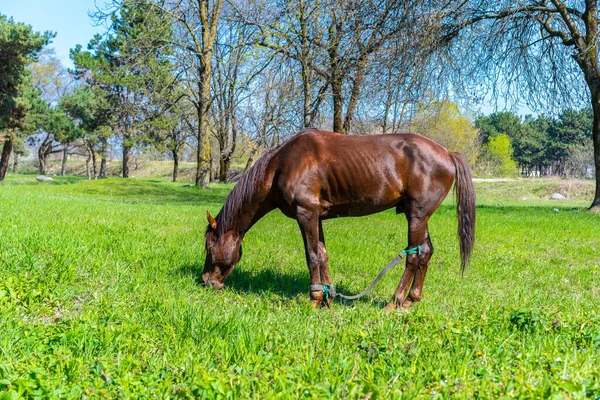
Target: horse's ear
point(211, 221)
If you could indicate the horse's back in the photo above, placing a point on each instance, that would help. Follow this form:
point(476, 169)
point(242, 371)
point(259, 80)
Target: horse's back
point(345, 175)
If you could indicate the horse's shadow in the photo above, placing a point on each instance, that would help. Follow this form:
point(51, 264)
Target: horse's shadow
point(268, 280)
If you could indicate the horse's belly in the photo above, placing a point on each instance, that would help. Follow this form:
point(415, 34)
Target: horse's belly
point(355, 209)
point(359, 204)
point(363, 193)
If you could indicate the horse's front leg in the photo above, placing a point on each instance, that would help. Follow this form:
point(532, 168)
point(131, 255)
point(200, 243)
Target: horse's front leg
point(324, 261)
point(308, 220)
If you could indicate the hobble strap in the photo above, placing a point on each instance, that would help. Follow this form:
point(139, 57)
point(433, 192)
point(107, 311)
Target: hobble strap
point(415, 250)
point(329, 289)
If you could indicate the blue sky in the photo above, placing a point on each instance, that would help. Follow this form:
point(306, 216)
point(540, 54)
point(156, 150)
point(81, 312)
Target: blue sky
point(68, 18)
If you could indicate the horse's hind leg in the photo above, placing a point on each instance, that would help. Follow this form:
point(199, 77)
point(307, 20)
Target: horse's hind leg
point(423, 263)
point(417, 235)
point(308, 221)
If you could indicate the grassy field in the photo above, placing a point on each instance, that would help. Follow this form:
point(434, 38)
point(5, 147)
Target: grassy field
point(100, 297)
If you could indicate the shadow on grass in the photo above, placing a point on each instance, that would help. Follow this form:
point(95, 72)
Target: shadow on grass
point(268, 280)
point(265, 280)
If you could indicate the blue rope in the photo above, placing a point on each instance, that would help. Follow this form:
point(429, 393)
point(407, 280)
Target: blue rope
point(329, 289)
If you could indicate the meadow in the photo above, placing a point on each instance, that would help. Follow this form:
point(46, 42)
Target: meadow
point(101, 297)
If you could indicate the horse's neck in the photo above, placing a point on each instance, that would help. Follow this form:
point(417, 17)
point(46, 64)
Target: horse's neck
point(264, 208)
point(250, 213)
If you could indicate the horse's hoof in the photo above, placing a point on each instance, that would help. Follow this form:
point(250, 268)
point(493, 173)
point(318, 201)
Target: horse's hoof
point(390, 307)
point(407, 304)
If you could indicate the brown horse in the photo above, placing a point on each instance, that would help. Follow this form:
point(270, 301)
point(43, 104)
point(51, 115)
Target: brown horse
point(318, 175)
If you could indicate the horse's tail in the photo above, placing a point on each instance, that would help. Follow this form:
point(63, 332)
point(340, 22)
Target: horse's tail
point(465, 208)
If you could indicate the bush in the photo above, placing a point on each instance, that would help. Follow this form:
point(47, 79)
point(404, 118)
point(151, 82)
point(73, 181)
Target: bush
point(496, 158)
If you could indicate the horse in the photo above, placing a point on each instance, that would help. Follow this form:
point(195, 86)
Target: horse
point(318, 175)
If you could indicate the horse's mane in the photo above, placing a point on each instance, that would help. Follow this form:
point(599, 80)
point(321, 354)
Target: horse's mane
point(243, 192)
point(246, 187)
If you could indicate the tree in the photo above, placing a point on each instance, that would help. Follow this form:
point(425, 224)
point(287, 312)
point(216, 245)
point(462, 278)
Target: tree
point(498, 123)
point(529, 138)
point(287, 30)
point(269, 112)
point(194, 33)
point(571, 128)
point(51, 77)
point(235, 70)
point(531, 145)
point(548, 47)
point(57, 132)
point(18, 152)
point(181, 129)
point(26, 119)
point(89, 112)
point(53, 81)
point(496, 158)
point(170, 130)
point(19, 46)
point(544, 145)
point(132, 66)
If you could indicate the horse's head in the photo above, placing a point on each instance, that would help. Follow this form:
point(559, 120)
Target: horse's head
point(223, 252)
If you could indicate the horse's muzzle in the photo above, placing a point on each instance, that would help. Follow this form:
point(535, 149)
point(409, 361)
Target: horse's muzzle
point(214, 284)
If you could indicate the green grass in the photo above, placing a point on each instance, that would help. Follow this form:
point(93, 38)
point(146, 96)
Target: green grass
point(100, 297)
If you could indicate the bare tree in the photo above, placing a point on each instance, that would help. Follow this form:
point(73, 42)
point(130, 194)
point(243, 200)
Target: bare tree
point(286, 28)
point(335, 42)
point(237, 66)
point(271, 112)
point(549, 48)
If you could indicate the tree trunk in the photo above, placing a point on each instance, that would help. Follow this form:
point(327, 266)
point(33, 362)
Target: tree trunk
point(336, 89)
point(63, 168)
point(87, 166)
point(102, 173)
point(175, 165)
point(42, 162)
point(94, 163)
point(355, 92)
point(306, 120)
point(44, 151)
point(305, 71)
point(224, 168)
point(203, 159)
point(6, 150)
point(386, 111)
point(126, 151)
point(595, 91)
point(16, 163)
point(208, 20)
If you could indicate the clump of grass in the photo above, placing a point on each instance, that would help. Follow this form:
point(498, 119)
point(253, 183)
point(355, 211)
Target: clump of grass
point(574, 188)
